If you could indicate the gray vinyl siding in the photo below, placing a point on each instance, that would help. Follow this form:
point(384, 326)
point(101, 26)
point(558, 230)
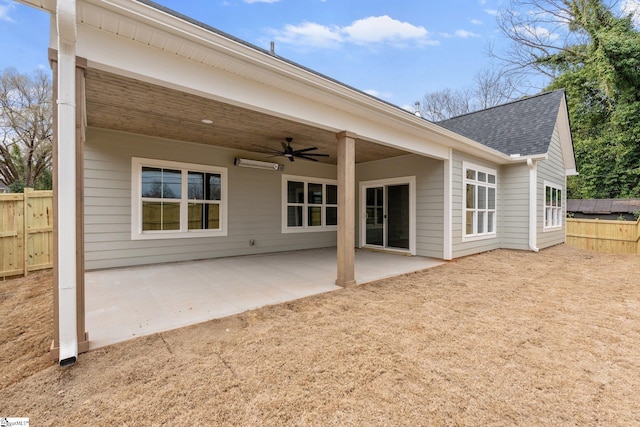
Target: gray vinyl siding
point(429, 175)
point(514, 215)
point(551, 170)
point(254, 204)
point(459, 247)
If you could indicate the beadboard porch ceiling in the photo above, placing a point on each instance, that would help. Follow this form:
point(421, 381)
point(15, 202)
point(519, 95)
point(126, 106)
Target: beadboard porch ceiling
point(125, 104)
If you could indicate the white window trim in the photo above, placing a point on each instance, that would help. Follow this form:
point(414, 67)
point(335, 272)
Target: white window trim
point(477, 168)
point(546, 227)
point(305, 227)
point(136, 200)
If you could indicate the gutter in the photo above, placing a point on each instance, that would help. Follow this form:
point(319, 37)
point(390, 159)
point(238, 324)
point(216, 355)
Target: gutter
point(66, 185)
point(533, 202)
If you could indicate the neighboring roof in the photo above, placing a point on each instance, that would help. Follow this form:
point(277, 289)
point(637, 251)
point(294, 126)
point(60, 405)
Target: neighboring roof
point(521, 127)
point(603, 206)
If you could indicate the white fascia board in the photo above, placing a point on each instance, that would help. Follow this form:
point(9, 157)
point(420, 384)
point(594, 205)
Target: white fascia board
point(566, 141)
point(328, 104)
point(48, 5)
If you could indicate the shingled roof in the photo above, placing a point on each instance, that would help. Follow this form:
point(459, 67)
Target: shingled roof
point(520, 127)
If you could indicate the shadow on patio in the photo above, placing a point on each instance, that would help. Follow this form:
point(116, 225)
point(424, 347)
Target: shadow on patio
point(130, 302)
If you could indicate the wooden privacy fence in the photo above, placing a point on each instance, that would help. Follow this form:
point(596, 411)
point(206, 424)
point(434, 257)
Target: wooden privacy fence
point(614, 237)
point(26, 232)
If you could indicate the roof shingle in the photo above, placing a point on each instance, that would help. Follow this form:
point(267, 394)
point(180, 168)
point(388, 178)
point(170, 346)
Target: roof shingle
point(521, 127)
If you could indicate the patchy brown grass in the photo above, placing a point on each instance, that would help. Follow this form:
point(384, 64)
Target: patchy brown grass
point(501, 338)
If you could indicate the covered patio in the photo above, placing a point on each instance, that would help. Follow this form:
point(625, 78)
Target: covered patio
point(125, 303)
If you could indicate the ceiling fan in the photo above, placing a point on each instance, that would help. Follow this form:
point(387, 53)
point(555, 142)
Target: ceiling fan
point(288, 152)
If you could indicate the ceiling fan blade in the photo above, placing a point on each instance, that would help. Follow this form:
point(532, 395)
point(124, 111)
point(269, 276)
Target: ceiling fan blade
point(302, 156)
point(302, 150)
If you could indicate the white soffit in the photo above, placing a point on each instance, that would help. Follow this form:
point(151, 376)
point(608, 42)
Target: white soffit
point(153, 27)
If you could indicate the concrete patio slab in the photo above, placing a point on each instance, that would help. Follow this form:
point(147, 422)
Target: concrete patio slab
point(125, 303)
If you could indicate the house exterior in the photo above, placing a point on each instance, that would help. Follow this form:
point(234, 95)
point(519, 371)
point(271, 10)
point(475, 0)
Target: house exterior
point(154, 109)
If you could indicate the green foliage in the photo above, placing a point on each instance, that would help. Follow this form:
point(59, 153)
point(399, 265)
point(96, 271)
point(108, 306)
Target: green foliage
point(602, 82)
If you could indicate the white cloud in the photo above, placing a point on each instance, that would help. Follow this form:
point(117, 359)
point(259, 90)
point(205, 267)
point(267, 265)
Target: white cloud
point(261, 1)
point(482, 1)
point(376, 29)
point(310, 34)
point(377, 94)
point(632, 7)
point(537, 32)
point(493, 12)
point(476, 22)
point(5, 8)
point(462, 34)
point(371, 30)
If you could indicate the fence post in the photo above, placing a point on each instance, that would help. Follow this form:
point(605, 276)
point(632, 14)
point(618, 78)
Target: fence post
point(25, 230)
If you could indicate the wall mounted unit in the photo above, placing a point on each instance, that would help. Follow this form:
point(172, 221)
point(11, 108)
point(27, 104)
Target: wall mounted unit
point(257, 164)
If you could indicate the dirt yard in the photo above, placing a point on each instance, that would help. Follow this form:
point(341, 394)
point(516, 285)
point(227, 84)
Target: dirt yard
point(502, 338)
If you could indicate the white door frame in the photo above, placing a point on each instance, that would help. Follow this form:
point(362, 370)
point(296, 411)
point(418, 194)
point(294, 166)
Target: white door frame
point(411, 181)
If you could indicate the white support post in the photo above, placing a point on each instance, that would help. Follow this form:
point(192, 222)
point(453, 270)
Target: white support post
point(66, 185)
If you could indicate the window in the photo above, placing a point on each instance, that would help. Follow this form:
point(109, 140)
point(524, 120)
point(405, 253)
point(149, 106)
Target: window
point(175, 200)
point(479, 202)
point(552, 205)
point(310, 204)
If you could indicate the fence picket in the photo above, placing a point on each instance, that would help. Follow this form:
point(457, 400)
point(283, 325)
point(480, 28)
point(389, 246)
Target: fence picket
point(616, 237)
point(26, 232)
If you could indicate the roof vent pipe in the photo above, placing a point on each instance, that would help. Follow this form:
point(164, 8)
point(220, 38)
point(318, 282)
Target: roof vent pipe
point(66, 185)
point(272, 49)
point(417, 109)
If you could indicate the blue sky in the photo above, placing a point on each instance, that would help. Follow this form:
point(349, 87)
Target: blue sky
point(396, 50)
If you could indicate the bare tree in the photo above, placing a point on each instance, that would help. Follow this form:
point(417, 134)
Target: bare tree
point(545, 34)
point(26, 126)
point(491, 87)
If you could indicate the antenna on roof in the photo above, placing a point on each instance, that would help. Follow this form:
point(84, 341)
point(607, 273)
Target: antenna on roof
point(272, 50)
point(417, 111)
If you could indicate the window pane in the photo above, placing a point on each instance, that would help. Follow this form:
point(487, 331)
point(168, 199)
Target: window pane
point(152, 182)
point(481, 222)
point(332, 215)
point(548, 197)
point(195, 216)
point(482, 177)
point(547, 217)
point(294, 216)
point(196, 186)
point(214, 186)
point(559, 198)
point(482, 197)
point(171, 184)
point(295, 192)
point(151, 216)
point(315, 193)
point(492, 198)
point(469, 228)
point(314, 216)
point(471, 196)
point(204, 216)
point(471, 174)
point(492, 179)
point(332, 194)
point(490, 222)
point(160, 216)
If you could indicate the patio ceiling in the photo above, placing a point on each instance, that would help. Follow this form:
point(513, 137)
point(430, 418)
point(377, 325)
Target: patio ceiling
point(125, 104)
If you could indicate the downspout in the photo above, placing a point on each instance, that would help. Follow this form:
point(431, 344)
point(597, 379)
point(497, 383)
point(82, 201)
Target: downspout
point(533, 203)
point(66, 185)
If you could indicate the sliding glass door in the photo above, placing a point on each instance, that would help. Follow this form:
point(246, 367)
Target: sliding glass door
point(387, 215)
